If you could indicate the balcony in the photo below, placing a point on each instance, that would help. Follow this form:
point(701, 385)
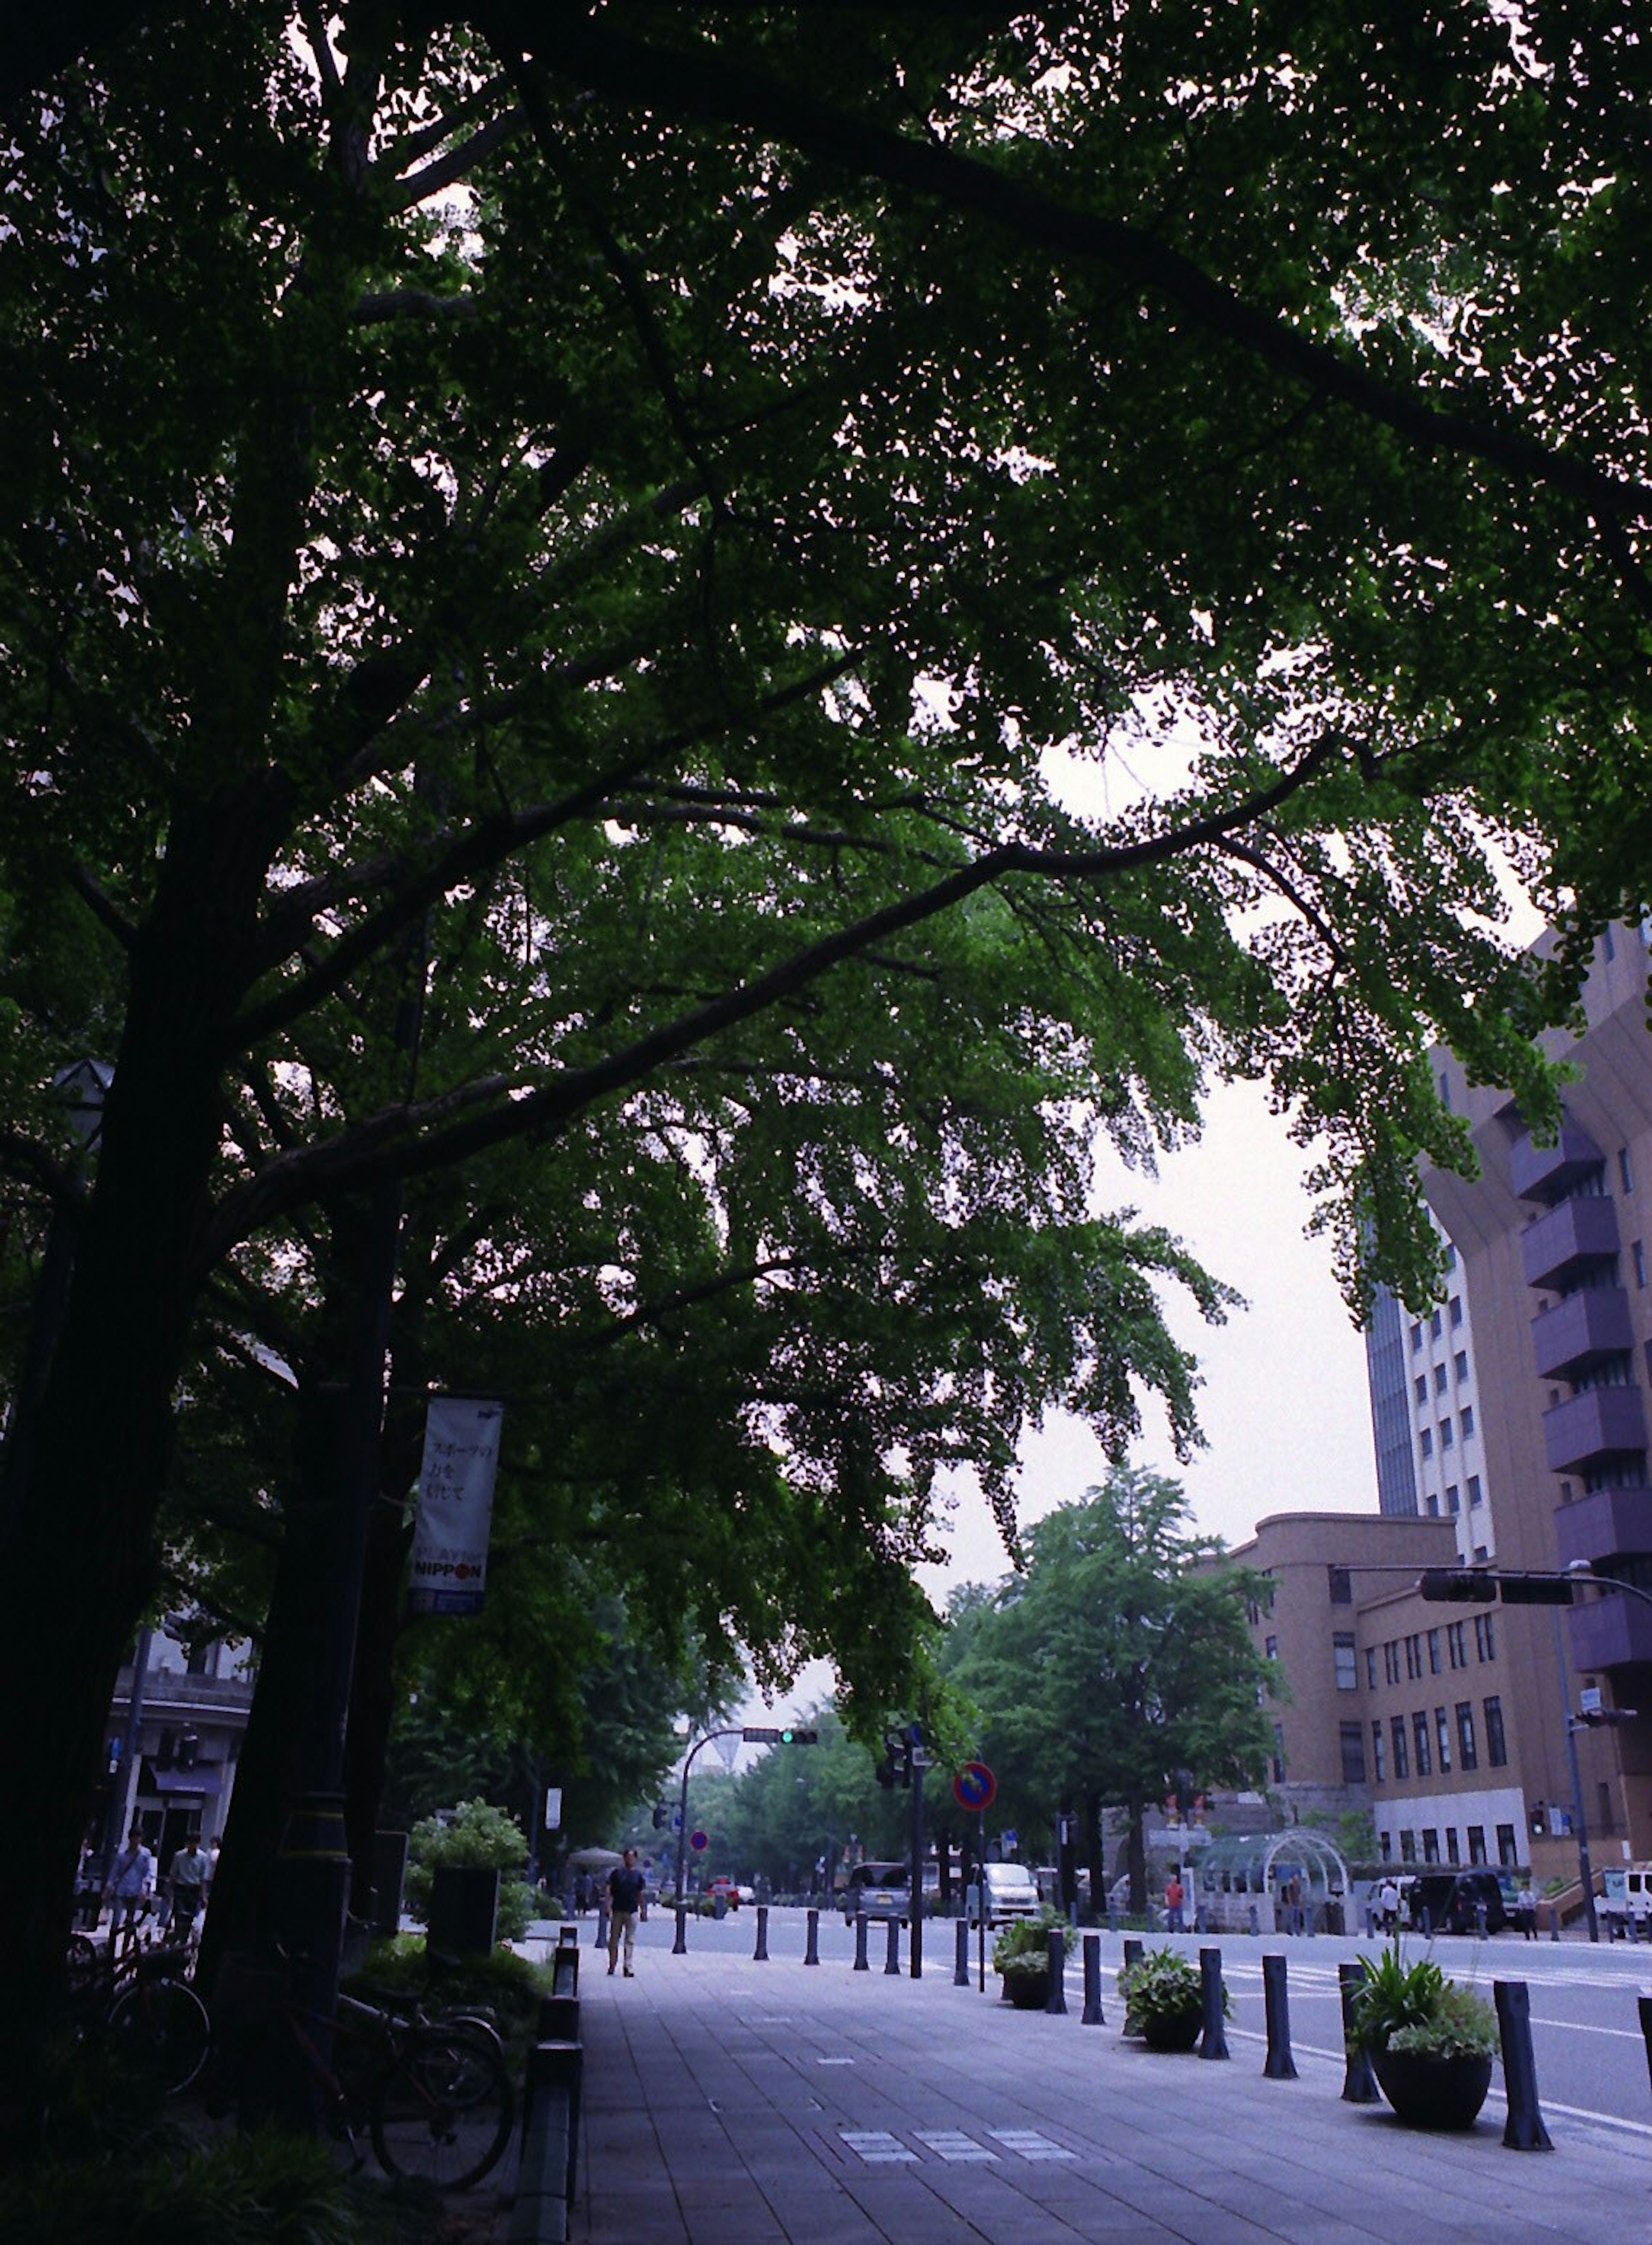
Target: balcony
point(1593, 1426)
point(1604, 1526)
point(1579, 1330)
point(1610, 1630)
point(1559, 1247)
point(1545, 1172)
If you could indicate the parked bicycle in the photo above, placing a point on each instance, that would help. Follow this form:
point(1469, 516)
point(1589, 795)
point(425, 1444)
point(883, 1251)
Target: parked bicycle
point(139, 2006)
point(434, 2096)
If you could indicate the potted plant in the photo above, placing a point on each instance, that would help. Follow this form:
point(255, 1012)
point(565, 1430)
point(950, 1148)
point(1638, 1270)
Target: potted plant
point(1021, 1958)
point(1164, 2000)
point(1431, 2041)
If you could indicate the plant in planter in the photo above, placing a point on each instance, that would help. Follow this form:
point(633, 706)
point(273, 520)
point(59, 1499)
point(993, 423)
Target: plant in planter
point(1431, 2041)
point(1021, 1958)
point(1165, 2000)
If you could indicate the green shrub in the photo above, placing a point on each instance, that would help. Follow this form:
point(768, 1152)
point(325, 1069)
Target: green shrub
point(476, 1835)
point(1023, 1944)
point(1162, 1984)
point(1415, 2008)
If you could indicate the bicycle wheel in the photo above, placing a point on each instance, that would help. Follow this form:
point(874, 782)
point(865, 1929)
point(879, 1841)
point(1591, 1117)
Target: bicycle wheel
point(444, 2111)
point(160, 2029)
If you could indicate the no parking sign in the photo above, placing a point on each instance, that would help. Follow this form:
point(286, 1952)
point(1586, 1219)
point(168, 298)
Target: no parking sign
point(975, 1787)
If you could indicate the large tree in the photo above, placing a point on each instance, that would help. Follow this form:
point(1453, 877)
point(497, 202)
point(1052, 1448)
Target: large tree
point(1117, 1661)
point(643, 501)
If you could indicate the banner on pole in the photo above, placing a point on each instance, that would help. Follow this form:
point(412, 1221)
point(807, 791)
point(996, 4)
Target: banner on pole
point(455, 1505)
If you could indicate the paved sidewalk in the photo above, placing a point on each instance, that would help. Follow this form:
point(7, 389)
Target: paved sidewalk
point(731, 2103)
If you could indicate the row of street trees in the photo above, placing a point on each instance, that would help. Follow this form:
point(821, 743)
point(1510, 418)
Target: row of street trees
point(548, 559)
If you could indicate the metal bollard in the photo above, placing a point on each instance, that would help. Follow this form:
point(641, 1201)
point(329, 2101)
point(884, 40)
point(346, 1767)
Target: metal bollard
point(1359, 2082)
point(861, 1964)
point(1645, 2007)
point(1279, 2066)
point(1523, 2130)
point(1055, 2001)
point(1213, 2041)
point(961, 1962)
point(1092, 1982)
point(1113, 1918)
point(1554, 1922)
point(811, 1940)
point(1133, 1950)
point(760, 1954)
point(892, 1956)
point(1370, 1923)
point(680, 1946)
point(1255, 1928)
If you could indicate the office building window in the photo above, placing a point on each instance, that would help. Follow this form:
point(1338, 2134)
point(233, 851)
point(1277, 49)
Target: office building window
point(1425, 1444)
point(1419, 1745)
point(1421, 1385)
point(1466, 1421)
point(1353, 1737)
point(1340, 1584)
point(1451, 1855)
point(1416, 1337)
point(1482, 1553)
point(1452, 1506)
point(1457, 1644)
point(1413, 1657)
point(1408, 1847)
point(1279, 1753)
point(1467, 1758)
point(1496, 1750)
point(1396, 1738)
point(1485, 1637)
point(1626, 1175)
point(1460, 1363)
point(1637, 1257)
point(1446, 1437)
point(1506, 1852)
point(1433, 1652)
point(1431, 1505)
point(1456, 1309)
point(1371, 1668)
point(1270, 1647)
point(1434, 1327)
point(1385, 1845)
point(1390, 1660)
point(1344, 1654)
point(1449, 1257)
point(1430, 1844)
point(1379, 1757)
point(1441, 1376)
point(1443, 1740)
point(1476, 1843)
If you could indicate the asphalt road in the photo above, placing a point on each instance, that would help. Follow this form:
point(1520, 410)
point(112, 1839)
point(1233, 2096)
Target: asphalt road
point(1592, 2062)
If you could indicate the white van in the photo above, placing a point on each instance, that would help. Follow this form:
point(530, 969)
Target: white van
point(1627, 1902)
point(1010, 1893)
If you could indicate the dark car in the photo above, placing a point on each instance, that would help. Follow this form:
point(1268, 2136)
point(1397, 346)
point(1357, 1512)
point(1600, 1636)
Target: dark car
point(1452, 1901)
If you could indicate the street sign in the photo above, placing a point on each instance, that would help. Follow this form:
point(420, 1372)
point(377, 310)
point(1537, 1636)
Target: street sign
point(553, 1807)
point(975, 1787)
point(699, 1841)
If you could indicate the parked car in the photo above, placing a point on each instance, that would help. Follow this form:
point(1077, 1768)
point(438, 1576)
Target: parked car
point(1011, 1893)
point(1451, 1900)
point(878, 1891)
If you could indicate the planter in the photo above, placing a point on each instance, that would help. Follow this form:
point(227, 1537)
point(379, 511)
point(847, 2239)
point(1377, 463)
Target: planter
point(1433, 2092)
point(1174, 2030)
point(1028, 1991)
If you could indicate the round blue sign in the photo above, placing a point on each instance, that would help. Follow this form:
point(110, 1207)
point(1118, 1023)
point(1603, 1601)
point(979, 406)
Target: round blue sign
point(975, 1787)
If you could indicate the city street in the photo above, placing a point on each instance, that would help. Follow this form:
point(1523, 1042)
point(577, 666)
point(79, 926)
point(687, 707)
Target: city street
point(749, 2102)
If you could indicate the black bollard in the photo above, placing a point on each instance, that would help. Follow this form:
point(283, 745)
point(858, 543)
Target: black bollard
point(892, 1959)
point(1213, 2041)
point(1359, 2082)
point(1646, 2028)
point(1256, 1927)
point(1279, 2066)
point(861, 1964)
point(812, 1941)
point(1056, 2000)
point(1133, 1950)
point(1092, 1982)
point(1523, 2130)
point(680, 1946)
point(760, 1954)
point(1113, 1918)
point(961, 1962)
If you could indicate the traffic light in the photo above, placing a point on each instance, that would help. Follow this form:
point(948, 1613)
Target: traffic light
point(790, 1738)
point(660, 1814)
point(1458, 1586)
point(1539, 1820)
point(766, 1735)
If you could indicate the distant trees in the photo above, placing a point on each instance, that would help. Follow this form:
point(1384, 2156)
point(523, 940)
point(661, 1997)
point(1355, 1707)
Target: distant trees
point(1116, 1660)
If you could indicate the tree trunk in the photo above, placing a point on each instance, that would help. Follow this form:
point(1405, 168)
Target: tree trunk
point(1095, 1853)
point(1136, 1810)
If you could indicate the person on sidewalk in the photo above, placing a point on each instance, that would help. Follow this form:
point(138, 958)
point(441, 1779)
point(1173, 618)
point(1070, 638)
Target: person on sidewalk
point(625, 1885)
point(131, 1878)
point(1174, 1899)
point(191, 1867)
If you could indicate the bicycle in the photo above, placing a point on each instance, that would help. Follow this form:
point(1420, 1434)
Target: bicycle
point(155, 2025)
point(435, 2097)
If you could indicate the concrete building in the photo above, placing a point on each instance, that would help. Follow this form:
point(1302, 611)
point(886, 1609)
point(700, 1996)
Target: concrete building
point(175, 1730)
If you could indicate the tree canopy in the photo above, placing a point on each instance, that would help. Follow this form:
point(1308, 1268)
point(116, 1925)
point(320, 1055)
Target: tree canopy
point(553, 563)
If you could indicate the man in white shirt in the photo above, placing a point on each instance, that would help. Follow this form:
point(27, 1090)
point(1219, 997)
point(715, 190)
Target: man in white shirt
point(131, 1879)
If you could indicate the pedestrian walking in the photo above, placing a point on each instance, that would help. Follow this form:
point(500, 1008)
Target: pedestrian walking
point(186, 1885)
point(625, 1886)
point(1174, 1900)
point(1388, 1905)
point(131, 1879)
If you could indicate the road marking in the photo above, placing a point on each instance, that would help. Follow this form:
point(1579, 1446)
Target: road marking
point(953, 2146)
point(834, 2061)
point(1030, 2144)
point(876, 2146)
